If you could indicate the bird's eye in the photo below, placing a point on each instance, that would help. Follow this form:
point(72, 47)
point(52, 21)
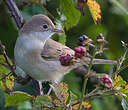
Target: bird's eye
point(45, 26)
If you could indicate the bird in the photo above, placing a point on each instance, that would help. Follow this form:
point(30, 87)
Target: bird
point(38, 55)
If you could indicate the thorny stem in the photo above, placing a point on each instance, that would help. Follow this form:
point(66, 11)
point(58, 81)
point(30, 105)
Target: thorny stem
point(6, 58)
point(6, 76)
point(122, 68)
point(122, 59)
point(86, 78)
point(93, 95)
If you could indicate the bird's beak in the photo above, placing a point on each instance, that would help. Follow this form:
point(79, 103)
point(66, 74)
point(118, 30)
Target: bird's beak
point(57, 30)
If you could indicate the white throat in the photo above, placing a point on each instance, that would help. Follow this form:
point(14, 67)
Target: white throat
point(43, 36)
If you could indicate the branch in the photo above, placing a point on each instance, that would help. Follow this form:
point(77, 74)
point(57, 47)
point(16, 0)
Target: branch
point(86, 78)
point(15, 12)
point(97, 95)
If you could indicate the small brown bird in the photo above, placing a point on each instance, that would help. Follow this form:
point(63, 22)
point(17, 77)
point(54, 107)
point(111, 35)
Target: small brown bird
point(38, 56)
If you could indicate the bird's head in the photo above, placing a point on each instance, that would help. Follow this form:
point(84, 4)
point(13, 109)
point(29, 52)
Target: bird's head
point(41, 25)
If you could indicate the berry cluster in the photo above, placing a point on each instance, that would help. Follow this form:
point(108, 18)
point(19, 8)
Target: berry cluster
point(65, 59)
point(106, 80)
point(82, 39)
point(79, 52)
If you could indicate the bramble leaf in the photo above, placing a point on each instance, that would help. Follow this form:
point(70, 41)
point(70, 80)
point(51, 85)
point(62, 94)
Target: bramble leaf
point(61, 91)
point(71, 14)
point(95, 10)
point(121, 85)
point(85, 106)
point(8, 81)
point(16, 98)
point(43, 100)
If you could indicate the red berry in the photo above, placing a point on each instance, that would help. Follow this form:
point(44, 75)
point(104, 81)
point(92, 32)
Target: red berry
point(65, 59)
point(79, 52)
point(106, 80)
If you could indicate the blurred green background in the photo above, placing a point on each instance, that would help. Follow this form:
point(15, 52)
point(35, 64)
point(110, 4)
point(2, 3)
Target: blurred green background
point(114, 26)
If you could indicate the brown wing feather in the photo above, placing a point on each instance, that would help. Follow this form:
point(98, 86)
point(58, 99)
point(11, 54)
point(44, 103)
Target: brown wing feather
point(52, 50)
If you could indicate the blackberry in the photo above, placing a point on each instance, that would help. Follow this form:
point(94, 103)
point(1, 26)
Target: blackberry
point(81, 39)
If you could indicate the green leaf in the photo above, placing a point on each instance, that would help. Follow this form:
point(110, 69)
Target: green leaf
point(2, 68)
point(9, 80)
point(62, 39)
point(43, 100)
point(16, 98)
point(119, 81)
point(71, 14)
point(25, 106)
point(31, 10)
point(2, 99)
point(124, 104)
point(61, 91)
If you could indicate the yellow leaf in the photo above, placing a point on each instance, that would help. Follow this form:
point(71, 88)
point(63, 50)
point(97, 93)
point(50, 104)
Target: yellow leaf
point(85, 105)
point(95, 10)
point(119, 82)
point(61, 92)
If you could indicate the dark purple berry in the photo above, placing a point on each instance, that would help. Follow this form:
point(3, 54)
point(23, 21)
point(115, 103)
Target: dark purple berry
point(81, 39)
point(65, 59)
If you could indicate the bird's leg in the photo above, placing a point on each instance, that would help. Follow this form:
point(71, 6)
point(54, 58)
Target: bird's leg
point(41, 88)
point(36, 87)
point(49, 91)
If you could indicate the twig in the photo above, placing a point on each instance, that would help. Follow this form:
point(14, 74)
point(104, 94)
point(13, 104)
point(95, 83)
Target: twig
point(122, 59)
point(122, 68)
point(86, 78)
point(15, 12)
point(6, 76)
point(6, 58)
point(93, 95)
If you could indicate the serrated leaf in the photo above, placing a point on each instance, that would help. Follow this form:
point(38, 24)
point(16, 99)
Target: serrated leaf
point(85, 106)
point(120, 85)
point(95, 10)
point(43, 100)
point(71, 14)
point(61, 92)
point(119, 82)
point(16, 98)
point(9, 80)
point(25, 106)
